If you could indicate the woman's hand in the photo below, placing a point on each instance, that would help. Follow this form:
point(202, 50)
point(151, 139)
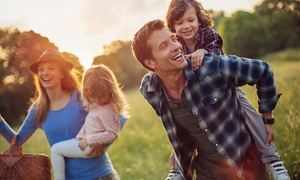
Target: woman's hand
point(97, 150)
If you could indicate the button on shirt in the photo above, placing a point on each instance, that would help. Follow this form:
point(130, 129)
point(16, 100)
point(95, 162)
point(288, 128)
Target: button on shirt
point(210, 92)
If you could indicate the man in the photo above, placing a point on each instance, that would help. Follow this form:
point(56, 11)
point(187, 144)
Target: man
point(200, 109)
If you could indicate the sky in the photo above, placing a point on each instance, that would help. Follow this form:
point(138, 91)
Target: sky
point(83, 27)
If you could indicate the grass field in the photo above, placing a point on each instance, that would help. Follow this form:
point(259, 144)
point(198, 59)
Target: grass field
point(142, 150)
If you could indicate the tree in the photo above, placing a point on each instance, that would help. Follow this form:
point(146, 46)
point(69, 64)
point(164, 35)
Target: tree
point(118, 57)
point(18, 51)
point(245, 34)
point(216, 17)
point(283, 17)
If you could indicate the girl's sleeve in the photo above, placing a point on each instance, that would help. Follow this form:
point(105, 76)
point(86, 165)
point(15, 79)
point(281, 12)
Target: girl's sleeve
point(111, 123)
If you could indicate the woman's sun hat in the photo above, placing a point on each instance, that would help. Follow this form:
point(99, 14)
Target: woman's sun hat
point(51, 55)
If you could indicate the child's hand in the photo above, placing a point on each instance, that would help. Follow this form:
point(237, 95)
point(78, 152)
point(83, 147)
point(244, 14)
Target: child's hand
point(196, 58)
point(82, 144)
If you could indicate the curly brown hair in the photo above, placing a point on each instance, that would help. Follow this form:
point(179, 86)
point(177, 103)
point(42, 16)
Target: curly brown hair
point(177, 9)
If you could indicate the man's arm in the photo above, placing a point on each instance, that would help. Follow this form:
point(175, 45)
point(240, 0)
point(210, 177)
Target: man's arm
point(242, 71)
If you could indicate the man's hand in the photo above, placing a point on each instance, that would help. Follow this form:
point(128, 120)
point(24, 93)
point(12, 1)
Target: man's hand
point(270, 134)
point(269, 128)
point(97, 150)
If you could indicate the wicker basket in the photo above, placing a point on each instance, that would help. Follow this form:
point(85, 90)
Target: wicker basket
point(14, 165)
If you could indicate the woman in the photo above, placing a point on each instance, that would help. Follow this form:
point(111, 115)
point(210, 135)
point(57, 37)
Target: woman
point(58, 110)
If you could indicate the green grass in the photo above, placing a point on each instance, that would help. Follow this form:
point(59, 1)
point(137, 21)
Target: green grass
point(286, 113)
point(142, 150)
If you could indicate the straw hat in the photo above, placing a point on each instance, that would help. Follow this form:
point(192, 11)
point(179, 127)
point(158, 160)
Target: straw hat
point(51, 55)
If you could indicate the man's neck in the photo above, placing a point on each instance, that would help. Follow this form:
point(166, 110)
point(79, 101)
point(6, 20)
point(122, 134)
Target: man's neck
point(174, 84)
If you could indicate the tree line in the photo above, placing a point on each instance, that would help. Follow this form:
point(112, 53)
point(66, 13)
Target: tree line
point(273, 26)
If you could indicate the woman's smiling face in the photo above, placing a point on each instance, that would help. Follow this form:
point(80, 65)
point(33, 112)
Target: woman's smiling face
point(50, 74)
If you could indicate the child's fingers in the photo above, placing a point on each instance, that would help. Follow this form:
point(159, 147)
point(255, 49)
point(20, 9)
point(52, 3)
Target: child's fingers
point(196, 62)
point(187, 56)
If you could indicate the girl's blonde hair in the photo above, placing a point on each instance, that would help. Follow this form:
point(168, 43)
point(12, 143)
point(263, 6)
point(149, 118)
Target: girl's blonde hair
point(99, 81)
point(69, 83)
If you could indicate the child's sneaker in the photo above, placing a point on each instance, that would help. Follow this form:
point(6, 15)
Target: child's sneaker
point(278, 171)
point(174, 175)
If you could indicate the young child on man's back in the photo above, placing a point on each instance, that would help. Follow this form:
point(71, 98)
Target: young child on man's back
point(192, 25)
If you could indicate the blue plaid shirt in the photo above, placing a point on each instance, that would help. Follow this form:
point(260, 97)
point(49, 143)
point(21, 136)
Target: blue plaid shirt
point(210, 92)
point(206, 38)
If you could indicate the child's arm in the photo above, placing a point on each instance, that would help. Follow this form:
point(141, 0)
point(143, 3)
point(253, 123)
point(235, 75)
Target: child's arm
point(196, 58)
point(99, 149)
point(111, 124)
point(213, 41)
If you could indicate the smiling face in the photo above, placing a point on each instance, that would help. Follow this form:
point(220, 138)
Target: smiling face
point(49, 75)
point(188, 25)
point(166, 51)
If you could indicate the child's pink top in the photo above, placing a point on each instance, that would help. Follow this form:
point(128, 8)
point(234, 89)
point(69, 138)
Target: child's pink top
point(101, 124)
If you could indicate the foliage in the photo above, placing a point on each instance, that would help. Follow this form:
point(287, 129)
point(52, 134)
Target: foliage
point(18, 51)
point(268, 7)
point(245, 34)
point(216, 17)
point(284, 22)
point(274, 26)
point(119, 58)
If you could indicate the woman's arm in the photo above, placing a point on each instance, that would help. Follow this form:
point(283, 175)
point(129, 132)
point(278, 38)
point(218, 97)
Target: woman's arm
point(26, 130)
point(5, 130)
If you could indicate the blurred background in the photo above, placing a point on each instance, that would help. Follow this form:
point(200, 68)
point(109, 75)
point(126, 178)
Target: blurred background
point(265, 29)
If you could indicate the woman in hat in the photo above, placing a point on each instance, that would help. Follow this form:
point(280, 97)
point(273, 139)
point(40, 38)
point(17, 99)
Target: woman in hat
point(57, 109)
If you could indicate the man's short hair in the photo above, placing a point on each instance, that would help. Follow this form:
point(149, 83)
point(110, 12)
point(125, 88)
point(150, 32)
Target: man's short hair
point(140, 48)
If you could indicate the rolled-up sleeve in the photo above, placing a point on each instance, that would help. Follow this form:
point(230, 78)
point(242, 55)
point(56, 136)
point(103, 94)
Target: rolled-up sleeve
point(241, 71)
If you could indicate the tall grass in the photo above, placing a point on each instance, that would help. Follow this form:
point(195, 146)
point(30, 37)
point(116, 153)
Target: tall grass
point(140, 153)
point(286, 68)
point(142, 150)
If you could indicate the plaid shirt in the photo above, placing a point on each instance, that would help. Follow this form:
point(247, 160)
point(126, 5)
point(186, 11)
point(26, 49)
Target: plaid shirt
point(210, 92)
point(206, 38)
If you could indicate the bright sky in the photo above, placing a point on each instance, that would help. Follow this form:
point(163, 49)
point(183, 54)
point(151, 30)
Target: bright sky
point(82, 27)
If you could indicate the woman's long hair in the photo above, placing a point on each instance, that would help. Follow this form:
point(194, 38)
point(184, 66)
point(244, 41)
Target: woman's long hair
point(41, 102)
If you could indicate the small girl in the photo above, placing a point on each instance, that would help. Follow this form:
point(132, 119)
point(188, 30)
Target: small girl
point(106, 102)
point(192, 25)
